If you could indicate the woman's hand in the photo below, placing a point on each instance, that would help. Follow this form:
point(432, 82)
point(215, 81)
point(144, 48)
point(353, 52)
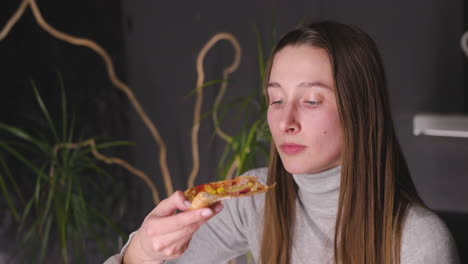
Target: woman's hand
point(165, 235)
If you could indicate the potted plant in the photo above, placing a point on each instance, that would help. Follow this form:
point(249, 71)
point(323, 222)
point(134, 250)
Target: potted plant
point(60, 194)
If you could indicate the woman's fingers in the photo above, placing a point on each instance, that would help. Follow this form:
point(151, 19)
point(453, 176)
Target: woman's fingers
point(174, 244)
point(169, 205)
point(164, 225)
point(184, 230)
point(165, 235)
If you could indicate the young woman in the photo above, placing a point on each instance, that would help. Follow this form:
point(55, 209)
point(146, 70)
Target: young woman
point(344, 193)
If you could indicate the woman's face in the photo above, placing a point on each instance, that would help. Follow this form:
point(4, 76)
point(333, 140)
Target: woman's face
point(302, 114)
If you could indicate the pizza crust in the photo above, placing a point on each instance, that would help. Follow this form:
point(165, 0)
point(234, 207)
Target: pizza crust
point(223, 190)
point(205, 199)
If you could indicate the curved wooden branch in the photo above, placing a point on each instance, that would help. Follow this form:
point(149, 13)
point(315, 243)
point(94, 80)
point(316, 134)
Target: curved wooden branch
point(199, 100)
point(232, 169)
point(110, 71)
point(117, 82)
point(222, 89)
point(12, 21)
point(132, 98)
point(109, 160)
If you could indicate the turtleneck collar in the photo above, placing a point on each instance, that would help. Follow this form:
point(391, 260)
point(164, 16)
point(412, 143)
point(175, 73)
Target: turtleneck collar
point(322, 182)
point(319, 192)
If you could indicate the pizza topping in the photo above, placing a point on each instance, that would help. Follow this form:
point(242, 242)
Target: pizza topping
point(210, 189)
point(209, 193)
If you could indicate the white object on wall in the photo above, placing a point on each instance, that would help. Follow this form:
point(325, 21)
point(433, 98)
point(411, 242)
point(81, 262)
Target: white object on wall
point(440, 124)
point(464, 43)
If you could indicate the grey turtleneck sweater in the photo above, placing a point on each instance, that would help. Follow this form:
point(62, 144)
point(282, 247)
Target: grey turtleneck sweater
point(237, 229)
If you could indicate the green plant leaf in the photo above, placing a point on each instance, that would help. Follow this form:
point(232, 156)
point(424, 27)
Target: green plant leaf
point(21, 134)
point(56, 204)
point(79, 218)
point(50, 192)
point(45, 240)
point(108, 221)
point(27, 237)
point(12, 180)
point(61, 221)
point(45, 112)
point(205, 84)
point(71, 130)
point(223, 109)
point(7, 197)
point(64, 106)
point(89, 164)
point(243, 108)
point(19, 156)
point(16, 132)
point(25, 214)
point(120, 143)
point(246, 148)
point(68, 194)
point(224, 155)
point(226, 168)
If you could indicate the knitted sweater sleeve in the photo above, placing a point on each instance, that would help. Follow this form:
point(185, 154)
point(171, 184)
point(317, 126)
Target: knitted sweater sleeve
point(227, 234)
point(220, 239)
point(426, 239)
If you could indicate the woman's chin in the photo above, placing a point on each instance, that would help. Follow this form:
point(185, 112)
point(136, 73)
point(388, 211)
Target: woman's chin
point(300, 169)
point(296, 169)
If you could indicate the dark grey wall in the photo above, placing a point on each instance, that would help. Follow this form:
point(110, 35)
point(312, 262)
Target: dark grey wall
point(163, 40)
point(419, 41)
point(30, 54)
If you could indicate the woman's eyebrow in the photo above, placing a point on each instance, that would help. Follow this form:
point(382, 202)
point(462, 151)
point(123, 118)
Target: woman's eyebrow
point(313, 84)
point(302, 85)
point(273, 85)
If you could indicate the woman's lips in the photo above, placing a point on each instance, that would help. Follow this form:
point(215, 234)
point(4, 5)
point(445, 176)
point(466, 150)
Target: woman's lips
point(291, 148)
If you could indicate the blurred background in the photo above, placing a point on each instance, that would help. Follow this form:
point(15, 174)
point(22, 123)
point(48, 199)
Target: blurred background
point(154, 46)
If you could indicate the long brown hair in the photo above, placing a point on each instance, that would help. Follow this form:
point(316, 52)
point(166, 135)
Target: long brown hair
point(376, 188)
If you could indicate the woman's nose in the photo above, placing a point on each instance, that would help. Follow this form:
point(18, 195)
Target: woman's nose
point(290, 123)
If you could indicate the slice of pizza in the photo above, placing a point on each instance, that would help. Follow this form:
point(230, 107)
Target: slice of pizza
point(204, 195)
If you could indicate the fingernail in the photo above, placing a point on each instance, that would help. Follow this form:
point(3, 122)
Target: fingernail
point(206, 212)
point(218, 208)
point(187, 203)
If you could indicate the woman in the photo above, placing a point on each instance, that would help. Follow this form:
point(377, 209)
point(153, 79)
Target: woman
point(344, 192)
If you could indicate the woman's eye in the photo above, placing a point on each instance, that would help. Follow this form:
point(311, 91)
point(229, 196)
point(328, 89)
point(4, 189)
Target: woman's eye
point(312, 103)
point(276, 102)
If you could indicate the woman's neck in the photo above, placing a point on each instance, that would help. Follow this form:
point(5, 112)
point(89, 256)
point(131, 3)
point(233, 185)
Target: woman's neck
point(321, 182)
point(319, 192)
